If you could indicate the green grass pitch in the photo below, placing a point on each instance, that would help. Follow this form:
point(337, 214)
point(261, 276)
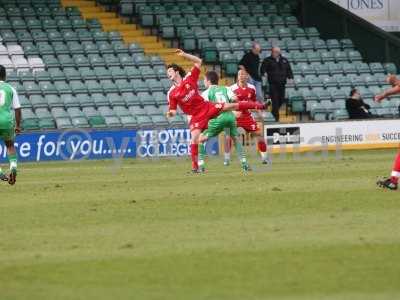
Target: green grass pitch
point(306, 229)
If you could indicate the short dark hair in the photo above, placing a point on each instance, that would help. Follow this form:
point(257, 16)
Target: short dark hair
point(352, 92)
point(177, 68)
point(2, 73)
point(212, 77)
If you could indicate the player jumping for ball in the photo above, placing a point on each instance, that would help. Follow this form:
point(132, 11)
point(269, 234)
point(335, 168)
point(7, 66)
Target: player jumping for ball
point(185, 94)
point(247, 92)
point(9, 125)
point(391, 182)
point(226, 121)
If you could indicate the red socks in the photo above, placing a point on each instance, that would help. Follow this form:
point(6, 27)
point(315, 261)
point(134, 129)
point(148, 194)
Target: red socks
point(244, 105)
point(396, 169)
point(262, 146)
point(194, 151)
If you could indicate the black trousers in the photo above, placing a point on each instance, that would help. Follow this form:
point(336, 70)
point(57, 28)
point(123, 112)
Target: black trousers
point(277, 94)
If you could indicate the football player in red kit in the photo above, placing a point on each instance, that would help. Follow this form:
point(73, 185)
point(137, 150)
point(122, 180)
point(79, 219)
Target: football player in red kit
point(391, 182)
point(247, 92)
point(185, 94)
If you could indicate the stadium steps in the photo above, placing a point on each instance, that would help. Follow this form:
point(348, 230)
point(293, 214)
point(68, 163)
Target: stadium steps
point(131, 33)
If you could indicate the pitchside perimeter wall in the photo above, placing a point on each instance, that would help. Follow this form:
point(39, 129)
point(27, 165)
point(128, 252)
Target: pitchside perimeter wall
point(78, 144)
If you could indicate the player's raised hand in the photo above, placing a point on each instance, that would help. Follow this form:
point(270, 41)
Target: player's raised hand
point(379, 98)
point(179, 52)
point(170, 114)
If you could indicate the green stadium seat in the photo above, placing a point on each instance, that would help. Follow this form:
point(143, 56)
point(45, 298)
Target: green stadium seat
point(53, 100)
point(346, 44)
point(39, 36)
point(31, 88)
point(376, 68)
point(109, 86)
point(26, 76)
point(57, 113)
point(144, 122)
point(69, 100)
point(60, 48)
point(63, 60)
point(45, 48)
point(62, 87)
point(114, 72)
point(78, 87)
point(72, 73)
point(130, 99)
point(362, 68)
point(125, 60)
point(340, 114)
point(128, 121)
point(124, 85)
point(63, 123)
point(354, 56)
point(93, 86)
point(30, 49)
point(112, 121)
point(30, 124)
point(146, 98)
point(99, 99)
point(84, 100)
point(87, 73)
point(97, 121)
point(390, 68)
point(121, 111)
point(47, 88)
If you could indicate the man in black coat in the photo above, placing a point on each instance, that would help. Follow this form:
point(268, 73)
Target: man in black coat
point(356, 107)
point(278, 71)
point(250, 62)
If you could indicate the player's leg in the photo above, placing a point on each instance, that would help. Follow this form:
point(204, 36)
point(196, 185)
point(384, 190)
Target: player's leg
point(227, 146)
point(215, 127)
point(261, 147)
point(243, 105)
point(202, 150)
point(234, 134)
point(12, 158)
point(392, 182)
point(194, 148)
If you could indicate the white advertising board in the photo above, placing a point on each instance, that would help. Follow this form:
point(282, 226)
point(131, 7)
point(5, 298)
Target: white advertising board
point(349, 134)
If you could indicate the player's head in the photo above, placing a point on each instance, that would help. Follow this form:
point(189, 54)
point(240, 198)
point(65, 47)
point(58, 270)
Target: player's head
point(2, 73)
point(242, 76)
point(211, 78)
point(175, 72)
point(355, 94)
point(256, 48)
point(391, 79)
point(275, 52)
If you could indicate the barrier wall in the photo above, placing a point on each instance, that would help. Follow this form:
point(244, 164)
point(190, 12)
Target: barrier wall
point(334, 135)
point(77, 144)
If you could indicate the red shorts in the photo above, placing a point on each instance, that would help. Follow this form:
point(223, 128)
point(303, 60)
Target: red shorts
point(248, 124)
point(208, 112)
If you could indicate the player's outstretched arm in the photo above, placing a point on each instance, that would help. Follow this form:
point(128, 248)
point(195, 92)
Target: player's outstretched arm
point(392, 91)
point(18, 117)
point(196, 60)
point(171, 113)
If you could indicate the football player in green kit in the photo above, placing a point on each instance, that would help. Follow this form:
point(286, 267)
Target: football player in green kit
point(10, 121)
point(226, 121)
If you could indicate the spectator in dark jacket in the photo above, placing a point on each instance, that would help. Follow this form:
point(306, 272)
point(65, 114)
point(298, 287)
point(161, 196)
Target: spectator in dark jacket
point(278, 70)
point(250, 62)
point(356, 107)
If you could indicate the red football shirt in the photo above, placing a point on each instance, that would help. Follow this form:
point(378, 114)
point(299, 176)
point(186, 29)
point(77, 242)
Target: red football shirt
point(186, 94)
point(247, 93)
